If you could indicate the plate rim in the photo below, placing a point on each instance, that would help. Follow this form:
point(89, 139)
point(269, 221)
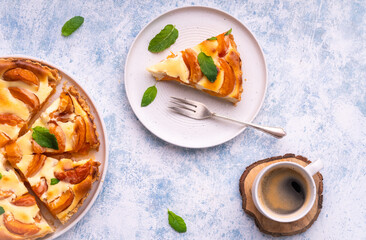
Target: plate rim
point(220, 12)
point(105, 135)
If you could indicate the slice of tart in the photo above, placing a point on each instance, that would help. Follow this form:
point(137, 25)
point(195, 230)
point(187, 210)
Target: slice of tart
point(20, 217)
point(184, 68)
point(61, 184)
point(25, 85)
point(75, 178)
point(69, 119)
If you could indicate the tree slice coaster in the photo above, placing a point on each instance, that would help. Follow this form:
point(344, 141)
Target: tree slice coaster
point(265, 224)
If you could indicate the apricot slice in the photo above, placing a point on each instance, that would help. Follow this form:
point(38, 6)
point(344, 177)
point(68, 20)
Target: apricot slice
point(25, 96)
point(74, 175)
point(79, 133)
point(25, 201)
point(36, 164)
point(61, 203)
point(19, 228)
point(10, 119)
point(41, 187)
point(223, 45)
point(229, 78)
point(13, 153)
point(190, 59)
point(37, 148)
point(21, 74)
point(4, 139)
point(5, 194)
point(59, 134)
point(66, 106)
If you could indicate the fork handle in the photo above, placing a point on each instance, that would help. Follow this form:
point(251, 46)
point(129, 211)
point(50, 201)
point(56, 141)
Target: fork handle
point(274, 131)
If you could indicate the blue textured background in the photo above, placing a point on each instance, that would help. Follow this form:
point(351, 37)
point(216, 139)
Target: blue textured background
point(315, 51)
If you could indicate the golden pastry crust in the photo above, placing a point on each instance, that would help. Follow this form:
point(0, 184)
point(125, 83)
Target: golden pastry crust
point(37, 68)
point(223, 50)
point(94, 139)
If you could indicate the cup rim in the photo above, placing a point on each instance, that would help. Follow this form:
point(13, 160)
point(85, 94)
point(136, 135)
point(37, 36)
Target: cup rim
point(257, 203)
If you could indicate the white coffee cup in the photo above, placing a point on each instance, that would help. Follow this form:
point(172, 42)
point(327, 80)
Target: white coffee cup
point(306, 172)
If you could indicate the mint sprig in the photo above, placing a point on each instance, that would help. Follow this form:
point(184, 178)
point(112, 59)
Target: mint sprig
point(208, 66)
point(176, 222)
point(164, 39)
point(72, 25)
point(44, 138)
point(2, 211)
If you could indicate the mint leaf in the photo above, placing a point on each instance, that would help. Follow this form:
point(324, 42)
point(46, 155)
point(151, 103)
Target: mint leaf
point(1, 176)
point(208, 66)
point(44, 138)
point(228, 32)
point(71, 25)
point(54, 181)
point(176, 222)
point(164, 39)
point(2, 211)
point(149, 96)
point(215, 38)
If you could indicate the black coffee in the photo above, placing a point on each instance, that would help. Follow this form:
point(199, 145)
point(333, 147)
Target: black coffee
point(283, 190)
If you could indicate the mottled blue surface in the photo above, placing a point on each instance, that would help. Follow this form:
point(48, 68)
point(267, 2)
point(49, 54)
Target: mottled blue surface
point(316, 56)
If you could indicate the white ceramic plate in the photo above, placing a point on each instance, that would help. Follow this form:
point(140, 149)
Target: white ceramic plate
point(194, 24)
point(101, 155)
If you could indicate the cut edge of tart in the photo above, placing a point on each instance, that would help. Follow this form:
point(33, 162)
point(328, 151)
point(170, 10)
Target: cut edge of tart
point(21, 218)
point(184, 68)
point(25, 86)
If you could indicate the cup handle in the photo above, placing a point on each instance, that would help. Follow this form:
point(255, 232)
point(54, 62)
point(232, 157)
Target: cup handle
point(314, 167)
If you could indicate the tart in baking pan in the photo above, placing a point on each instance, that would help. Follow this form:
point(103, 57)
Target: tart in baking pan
point(20, 217)
point(184, 67)
point(25, 86)
point(61, 184)
point(61, 174)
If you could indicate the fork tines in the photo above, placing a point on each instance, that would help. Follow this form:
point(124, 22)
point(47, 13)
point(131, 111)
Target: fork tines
point(183, 106)
point(185, 101)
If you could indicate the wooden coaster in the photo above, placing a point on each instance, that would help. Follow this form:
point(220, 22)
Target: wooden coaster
point(265, 224)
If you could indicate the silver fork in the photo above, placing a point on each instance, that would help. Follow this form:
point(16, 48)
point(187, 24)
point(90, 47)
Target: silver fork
point(197, 110)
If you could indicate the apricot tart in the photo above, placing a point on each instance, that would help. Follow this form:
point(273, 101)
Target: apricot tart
point(25, 86)
point(56, 162)
point(69, 119)
point(184, 67)
point(20, 216)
